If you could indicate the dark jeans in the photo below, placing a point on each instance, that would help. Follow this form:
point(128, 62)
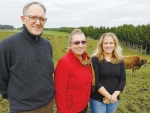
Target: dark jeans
point(85, 110)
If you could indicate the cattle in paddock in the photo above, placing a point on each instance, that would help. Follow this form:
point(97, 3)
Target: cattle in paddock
point(134, 62)
point(64, 50)
point(148, 61)
point(48, 38)
point(90, 46)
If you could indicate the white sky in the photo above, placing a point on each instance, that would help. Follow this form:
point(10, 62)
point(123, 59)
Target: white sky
point(76, 13)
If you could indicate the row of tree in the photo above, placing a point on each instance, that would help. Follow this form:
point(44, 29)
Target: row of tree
point(136, 38)
point(6, 27)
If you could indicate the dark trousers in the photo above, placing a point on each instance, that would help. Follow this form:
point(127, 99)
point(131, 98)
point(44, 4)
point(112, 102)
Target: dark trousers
point(85, 110)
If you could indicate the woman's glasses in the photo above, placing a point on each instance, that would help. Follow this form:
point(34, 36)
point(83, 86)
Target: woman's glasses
point(78, 42)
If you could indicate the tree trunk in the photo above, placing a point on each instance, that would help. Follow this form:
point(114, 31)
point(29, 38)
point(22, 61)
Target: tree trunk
point(141, 49)
point(145, 49)
point(132, 47)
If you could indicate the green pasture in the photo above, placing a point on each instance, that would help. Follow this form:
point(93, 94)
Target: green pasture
point(136, 96)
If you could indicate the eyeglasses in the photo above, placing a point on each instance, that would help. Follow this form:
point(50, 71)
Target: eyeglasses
point(35, 18)
point(78, 42)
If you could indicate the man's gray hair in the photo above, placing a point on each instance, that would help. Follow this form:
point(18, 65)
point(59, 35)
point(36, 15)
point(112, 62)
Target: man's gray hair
point(26, 7)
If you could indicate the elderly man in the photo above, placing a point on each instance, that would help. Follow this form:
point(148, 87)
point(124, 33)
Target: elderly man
point(26, 65)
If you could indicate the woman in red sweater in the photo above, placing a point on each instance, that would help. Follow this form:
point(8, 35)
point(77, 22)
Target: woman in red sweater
point(73, 77)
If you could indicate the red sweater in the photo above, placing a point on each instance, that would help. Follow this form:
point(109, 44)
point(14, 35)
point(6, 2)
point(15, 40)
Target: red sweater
point(72, 82)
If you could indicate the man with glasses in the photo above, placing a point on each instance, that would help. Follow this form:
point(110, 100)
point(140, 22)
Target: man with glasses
point(26, 65)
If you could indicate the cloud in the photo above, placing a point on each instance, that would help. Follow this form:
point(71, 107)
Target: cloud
point(76, 13)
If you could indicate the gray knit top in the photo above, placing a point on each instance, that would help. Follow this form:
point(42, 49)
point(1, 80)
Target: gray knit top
point(26, 69)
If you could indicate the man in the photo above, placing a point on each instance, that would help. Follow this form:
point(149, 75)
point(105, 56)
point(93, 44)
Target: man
point(26, 65)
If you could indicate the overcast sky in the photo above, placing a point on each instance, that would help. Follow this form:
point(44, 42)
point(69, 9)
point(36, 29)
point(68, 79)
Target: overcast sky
point(76, 13)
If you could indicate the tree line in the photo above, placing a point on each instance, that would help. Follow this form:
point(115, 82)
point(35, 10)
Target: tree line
point(137, 38)
point(6, 27)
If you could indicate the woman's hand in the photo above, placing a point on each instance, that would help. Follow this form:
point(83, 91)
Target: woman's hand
point(106, 101)
point(113, 99)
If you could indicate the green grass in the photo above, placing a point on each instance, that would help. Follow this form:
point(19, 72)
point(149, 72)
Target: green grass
point(136, 96)
point(55, 33)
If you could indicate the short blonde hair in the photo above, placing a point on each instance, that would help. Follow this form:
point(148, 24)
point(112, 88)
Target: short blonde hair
point(117, 53)
point(74, 32)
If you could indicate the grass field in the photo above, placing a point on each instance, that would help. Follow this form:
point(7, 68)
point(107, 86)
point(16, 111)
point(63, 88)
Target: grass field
point(136, 96)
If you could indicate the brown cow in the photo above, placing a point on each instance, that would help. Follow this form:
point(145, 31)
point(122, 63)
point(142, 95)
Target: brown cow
point(148, 61)
point(48, 38)
point(134, 62)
